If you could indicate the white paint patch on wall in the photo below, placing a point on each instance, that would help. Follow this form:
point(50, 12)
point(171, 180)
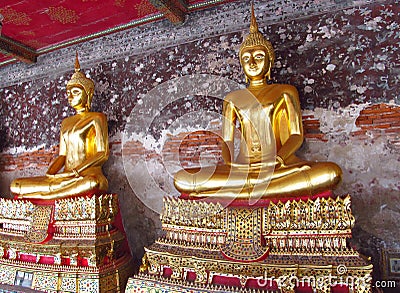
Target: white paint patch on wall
point(370, 169)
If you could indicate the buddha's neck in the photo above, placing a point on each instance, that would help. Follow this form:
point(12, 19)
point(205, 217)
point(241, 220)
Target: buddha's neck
point(81, 111)
point(256, 86)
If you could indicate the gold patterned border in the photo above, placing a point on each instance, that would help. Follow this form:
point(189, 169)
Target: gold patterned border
point(14, 17)
point(52, 278)
point(62, 14)
point(342, 268)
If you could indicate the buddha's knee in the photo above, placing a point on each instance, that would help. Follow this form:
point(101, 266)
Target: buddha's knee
point(184, 181)
point(335, 173)
point(15, 187)
point(326, 173)
point(95, 183)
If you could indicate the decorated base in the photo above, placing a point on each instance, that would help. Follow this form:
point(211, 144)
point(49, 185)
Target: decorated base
point(269, 246)
point(66, 245)
point(143, 283)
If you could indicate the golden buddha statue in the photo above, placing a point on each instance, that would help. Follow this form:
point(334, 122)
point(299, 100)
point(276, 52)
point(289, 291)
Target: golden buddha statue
point(83, 150)
point(271, 132)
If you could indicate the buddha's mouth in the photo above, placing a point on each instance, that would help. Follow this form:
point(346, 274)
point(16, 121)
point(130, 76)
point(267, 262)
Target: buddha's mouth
point(253, 70)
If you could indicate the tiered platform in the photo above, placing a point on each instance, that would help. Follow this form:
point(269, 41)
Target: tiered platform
point(269, 246)
point(66, 245)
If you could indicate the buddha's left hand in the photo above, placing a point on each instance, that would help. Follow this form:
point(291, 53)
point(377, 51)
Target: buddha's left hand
point(279, 163)
point(64, 175)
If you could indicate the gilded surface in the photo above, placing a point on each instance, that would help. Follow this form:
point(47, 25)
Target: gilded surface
point(62, 14)
point(271, 129)
point(101, 208)
point(192, 213)
point(274, 236)
point(243, 226)
point(66, 242)
point(15, 17)
point(319, 226)
point(39, 224)
point(83, 150)
point(82, 254)
point(299, 239)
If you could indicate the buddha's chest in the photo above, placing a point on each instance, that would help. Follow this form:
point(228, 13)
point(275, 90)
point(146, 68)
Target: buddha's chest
point(78, 132)
point(255, 114)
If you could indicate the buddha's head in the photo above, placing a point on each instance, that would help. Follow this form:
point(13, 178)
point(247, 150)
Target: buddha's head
point(80, 89)
point(257, 50)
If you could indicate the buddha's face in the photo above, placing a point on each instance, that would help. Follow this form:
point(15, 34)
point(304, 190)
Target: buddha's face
point(77, 97)
point(255, 62)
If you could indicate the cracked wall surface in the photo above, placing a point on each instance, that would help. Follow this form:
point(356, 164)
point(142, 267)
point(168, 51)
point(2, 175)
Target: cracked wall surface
point(342, 56)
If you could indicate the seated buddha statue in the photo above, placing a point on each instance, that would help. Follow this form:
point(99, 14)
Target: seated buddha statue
point(83, 149)
point(270, 123)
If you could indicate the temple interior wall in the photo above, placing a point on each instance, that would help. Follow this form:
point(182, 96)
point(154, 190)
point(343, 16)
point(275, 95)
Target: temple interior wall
point(342, 56)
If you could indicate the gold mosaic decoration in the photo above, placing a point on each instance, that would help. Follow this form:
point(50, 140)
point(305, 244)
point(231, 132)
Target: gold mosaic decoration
point(27, 33)
point(120, 3)
point(293, 227)
point(192, 213)
point(35, 44)
point(62, 14)
point(40, 220)
point(102, 208)
point(80, 253)
point(283, 240)
point(144, 8)
point(16, 210)
point(12, 16)
point(243, 226)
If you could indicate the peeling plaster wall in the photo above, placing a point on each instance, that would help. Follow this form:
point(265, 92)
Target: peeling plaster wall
point(343, 57)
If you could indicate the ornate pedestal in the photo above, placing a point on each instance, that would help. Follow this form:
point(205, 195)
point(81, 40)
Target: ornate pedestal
point(66, 245)
point(280, 246)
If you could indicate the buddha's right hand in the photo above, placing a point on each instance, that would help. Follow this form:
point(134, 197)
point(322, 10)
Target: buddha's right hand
point(259, 165)
point(62, 175)
point(279, 163)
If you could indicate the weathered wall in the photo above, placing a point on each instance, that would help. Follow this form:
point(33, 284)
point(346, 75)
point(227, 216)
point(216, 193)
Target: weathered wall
point(343, 57)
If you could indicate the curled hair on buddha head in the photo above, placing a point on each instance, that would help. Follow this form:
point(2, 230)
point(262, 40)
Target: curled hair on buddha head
point(80, 79)
point(255, 38)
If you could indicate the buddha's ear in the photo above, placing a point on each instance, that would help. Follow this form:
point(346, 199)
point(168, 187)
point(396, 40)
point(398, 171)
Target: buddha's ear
point(268, 74)
point(89, 98)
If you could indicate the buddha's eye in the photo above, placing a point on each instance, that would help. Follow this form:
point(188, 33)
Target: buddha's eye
point(259, 57)
point(246, 59)
point(76, 91)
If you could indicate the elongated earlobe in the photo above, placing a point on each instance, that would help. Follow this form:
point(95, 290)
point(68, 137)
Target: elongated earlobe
point(89, 100)
point(268, 75)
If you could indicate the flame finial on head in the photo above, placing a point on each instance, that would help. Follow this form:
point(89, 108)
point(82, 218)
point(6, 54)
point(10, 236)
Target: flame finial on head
point(255, 38)
point(253, 21)
point(79, 79)
point(77, 65)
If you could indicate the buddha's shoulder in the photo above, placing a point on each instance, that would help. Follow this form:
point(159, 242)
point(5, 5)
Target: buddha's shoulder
point(286, 88)
point(276, 90)
point(89, 116)
point(232, 96)
point(98, 115)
